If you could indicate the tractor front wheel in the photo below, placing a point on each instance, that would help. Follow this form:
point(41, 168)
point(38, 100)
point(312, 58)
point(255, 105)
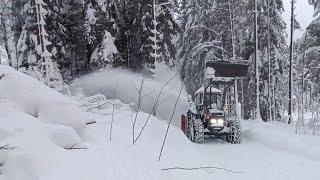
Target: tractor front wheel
point(198, 131)
point(235, 134)
point(194, 128)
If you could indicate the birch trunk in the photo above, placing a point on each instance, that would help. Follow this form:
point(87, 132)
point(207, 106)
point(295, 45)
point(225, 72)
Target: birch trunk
point(258, 115)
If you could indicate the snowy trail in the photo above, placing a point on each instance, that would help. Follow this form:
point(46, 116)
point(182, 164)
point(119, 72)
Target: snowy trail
point(256, 158)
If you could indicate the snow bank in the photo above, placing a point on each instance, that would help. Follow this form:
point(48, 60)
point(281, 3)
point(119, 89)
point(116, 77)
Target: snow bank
point(42, 125)
point(104, 82)
point(37, 100)
point(282, 136)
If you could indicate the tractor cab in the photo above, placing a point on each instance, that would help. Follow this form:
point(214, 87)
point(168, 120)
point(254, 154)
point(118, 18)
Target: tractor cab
point(209, 99)
point(216, 109)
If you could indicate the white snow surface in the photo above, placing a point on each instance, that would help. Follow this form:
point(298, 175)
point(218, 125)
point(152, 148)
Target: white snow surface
point(34, 98)
point(268, 151)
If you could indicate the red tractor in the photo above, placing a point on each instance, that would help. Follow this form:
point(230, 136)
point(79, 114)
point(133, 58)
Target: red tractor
point(215, 110)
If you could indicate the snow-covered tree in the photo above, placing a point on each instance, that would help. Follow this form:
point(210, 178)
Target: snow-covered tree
point(32, 42)
point(271, 33)
point(163, 31)
point(105, 53)
point(5, 30)
point(198, 41)
point(48, 68)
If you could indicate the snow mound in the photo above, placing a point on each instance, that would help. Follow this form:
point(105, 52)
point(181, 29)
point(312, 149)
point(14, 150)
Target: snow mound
point(63, 136)
point(281, 136)
point(42, 127)
point(38, 100)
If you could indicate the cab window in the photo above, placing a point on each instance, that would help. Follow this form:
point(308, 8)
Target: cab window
point(199, 98)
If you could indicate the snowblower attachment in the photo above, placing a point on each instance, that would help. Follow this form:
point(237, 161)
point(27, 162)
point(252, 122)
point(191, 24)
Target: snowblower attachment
point(227, 69)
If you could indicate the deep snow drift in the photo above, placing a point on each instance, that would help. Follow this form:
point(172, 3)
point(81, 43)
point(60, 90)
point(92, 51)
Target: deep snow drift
point(269, 150)
point(41, 126)
point(105, 82)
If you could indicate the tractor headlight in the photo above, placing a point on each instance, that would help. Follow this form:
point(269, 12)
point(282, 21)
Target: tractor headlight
point(213, 121)
point(217, 121)
point(220, 121)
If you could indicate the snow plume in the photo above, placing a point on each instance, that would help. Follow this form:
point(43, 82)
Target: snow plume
point(105, 81)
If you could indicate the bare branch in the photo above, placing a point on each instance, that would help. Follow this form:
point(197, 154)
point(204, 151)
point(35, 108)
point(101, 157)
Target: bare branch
point(207, 168)
point(155, 105)
point(114, 95)
point(134, 86)
point(5, 6)
point(169, 124)
point(74, 148)
point(147, 94)
point(7, 147)
point(138, 107)
point(167, 99)
point(1, 76)
point(92, 122)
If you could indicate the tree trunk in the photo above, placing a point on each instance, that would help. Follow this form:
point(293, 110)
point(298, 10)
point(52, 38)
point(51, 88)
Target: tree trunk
point(258, 115)
point(233, 39)
point(302, 84)
point(291, 63)
point(269, 66)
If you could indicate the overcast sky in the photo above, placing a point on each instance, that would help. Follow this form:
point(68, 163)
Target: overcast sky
point(303, 13)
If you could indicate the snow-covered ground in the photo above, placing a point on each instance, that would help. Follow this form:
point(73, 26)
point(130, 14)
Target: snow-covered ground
point(269, 150)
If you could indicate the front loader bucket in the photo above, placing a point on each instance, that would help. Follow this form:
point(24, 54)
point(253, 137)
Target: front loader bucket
point(228, 68)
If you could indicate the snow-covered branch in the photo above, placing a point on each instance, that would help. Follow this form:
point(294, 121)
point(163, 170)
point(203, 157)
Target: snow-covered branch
point(204, 27)
point(201, 46)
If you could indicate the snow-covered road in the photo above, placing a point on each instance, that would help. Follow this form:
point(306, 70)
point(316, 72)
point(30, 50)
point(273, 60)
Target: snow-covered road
point(280, 155)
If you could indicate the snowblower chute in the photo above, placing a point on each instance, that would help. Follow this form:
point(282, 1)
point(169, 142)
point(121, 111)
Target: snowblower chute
point(215, 110)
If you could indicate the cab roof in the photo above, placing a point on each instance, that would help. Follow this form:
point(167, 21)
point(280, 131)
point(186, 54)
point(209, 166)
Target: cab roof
point(213, 90)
